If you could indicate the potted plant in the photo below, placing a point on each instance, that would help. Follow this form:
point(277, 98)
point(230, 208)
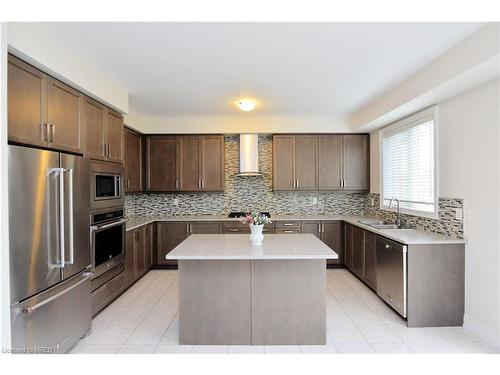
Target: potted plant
point(256, 221)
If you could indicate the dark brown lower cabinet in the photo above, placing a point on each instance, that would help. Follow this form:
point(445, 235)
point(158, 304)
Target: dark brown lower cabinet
point(370, 260)
point(312, 227)
point(331, 235)
point(169, 235)
point(138, 253)
point(149, 244)
point(358, 251)
point(360, 254)
point(205, 228)
point(348, 228)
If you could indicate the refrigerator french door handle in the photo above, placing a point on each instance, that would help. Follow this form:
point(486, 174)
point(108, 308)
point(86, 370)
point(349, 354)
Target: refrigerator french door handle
point(71, 218)
point(61, 216)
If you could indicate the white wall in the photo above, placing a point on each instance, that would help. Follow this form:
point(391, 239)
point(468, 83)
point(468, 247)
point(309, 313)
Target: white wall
point(470, 63)
point(469, 168)
point(4, 223)
point(239, 124)
point(51, 53)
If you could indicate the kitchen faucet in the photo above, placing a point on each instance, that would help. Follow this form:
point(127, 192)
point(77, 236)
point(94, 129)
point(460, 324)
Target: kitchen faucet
point(398, 213)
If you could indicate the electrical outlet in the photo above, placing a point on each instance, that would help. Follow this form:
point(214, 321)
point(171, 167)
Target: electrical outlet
point(459, 214)
point(315, 200)
point(176, 202)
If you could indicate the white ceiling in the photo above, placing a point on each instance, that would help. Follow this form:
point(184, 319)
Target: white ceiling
point(199, 69)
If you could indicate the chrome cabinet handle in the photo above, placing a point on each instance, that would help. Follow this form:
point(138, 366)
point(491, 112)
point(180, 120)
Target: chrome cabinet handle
point(61, 216)
point(109, 151)
point(105, 150)
point(297, 183)
point(46, 135)
point(128, 183)
point(50, 133)
point(287, 224)
point(233, 230)
point(177, 183)
point(319, 228)
point(288, 231)
point(388, 246)
point(202, 183)
point(345, 184)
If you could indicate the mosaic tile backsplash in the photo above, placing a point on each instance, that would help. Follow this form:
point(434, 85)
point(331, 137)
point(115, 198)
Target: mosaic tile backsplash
point(446, 223)
point(255, 193)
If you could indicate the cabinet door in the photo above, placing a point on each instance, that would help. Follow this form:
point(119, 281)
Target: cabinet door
point(93, 120)
point(306, 162)
point(356, 168)
point(330, 162)
point(212, 163)
point(130, 259)
point(189, 163)
point(170, 234)
point(348, 240)
point(358, 252)
point(140, 252)
point(283, 162)
point(371, 259)
point(161, 168)
point(114, 136)
point(64, 117)
point(205, 228)
point(312, 227)
point(133, 161)
point(26, 103)
point(149, 243)
point(332, 236)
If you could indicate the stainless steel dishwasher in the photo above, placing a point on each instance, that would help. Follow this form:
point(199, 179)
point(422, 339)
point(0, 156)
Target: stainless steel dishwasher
point(391, 273)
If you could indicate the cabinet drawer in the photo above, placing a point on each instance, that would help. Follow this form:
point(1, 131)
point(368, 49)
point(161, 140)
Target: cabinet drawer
point(288, 225)
point(287, 231)
point(102, 296)
point(105, 277)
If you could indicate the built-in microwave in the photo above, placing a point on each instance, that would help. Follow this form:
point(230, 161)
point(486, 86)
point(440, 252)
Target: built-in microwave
point(106, 186)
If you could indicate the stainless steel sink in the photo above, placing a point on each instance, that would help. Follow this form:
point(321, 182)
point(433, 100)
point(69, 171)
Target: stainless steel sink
point(380, 224)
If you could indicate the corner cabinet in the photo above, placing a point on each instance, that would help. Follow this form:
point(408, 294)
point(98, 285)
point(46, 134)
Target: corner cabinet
point(42, 111)
point(185, 163)
point(337, 162)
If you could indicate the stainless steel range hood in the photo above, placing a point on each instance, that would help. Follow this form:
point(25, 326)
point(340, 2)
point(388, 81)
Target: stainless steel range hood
point(249, 155)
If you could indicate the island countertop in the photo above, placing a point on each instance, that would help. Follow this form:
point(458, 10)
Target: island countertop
point(238, 246)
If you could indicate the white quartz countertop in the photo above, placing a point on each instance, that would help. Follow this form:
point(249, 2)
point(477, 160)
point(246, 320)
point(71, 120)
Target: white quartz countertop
point(404, 236)
point(238, 246)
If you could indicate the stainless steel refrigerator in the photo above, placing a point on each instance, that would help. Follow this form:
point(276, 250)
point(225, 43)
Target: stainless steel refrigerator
point(49, 220)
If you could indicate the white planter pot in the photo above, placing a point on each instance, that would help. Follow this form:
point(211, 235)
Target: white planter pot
point(256, 236)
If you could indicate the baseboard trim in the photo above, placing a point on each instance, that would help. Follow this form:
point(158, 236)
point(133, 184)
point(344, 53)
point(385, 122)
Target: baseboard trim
point(482, 331)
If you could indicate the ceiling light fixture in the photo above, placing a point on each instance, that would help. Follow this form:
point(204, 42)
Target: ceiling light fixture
point(246, 105)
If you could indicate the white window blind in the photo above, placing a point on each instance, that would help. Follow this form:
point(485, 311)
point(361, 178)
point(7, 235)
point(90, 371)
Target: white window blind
point(408, 165)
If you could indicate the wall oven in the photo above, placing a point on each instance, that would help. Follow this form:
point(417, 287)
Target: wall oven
point(107, 238)
point(106, 186)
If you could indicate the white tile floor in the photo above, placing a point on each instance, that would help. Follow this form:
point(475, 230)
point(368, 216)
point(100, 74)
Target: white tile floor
point(144, 320)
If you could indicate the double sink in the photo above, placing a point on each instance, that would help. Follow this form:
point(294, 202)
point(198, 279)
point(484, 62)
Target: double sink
point(380, 224)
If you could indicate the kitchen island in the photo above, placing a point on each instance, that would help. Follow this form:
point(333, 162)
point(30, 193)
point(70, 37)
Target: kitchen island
point(233, 293)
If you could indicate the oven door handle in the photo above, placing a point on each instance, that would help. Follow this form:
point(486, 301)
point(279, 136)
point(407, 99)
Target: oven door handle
point(105, 226)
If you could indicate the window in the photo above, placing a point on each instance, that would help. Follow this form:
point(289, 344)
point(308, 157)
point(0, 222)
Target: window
point(409, 164)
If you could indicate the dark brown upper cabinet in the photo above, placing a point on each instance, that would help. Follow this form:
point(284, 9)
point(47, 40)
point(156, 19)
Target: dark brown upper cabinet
point(306, 162)
point(284, 162)
point(114, 136)
point(189, 163)
point(321, 162)
point(42, 111)
point(212, 162)
point(133, 161)
point(295, 162)
point(103, 132)
point(330, 162)
point(93, 118)
point(161, 168)
point(185, 163)
point(356, 162)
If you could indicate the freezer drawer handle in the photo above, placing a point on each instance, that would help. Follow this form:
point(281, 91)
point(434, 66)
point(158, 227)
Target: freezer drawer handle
point(31, 309)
